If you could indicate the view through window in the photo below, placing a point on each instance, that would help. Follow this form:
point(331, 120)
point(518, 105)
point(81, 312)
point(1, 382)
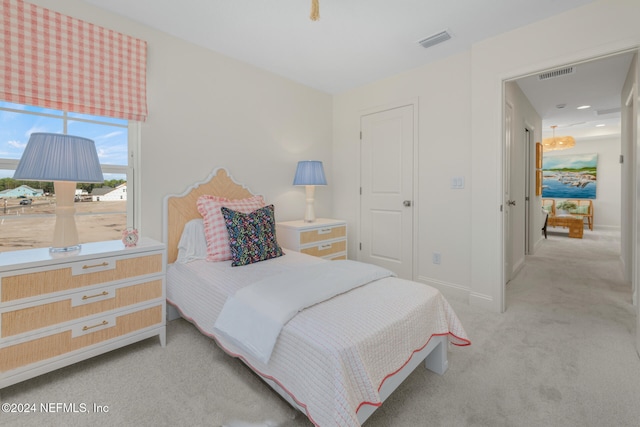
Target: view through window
point(27, 208)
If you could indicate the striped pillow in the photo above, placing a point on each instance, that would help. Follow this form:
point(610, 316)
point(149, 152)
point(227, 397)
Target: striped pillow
point(215, 230)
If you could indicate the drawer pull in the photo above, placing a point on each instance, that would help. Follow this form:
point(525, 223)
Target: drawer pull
point(324, 231)
point(104, 264)
point(86, 328)
point(101, 294)
point(325, 246)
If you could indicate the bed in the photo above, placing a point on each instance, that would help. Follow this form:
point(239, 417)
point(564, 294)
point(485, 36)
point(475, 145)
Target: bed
point(337, 360)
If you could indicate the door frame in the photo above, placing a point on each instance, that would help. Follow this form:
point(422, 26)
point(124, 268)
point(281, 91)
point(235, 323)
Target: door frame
point(507, 144)
point(529, 183)
point(415, 103)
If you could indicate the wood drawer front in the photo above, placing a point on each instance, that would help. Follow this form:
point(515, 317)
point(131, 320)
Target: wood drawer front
point(77, 306)
point(325, 249)
point(93, 272)
point(324, 233)
point(40, 349)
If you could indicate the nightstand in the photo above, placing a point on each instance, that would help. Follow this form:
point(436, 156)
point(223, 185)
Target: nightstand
point(326, 238)
point(59, 309)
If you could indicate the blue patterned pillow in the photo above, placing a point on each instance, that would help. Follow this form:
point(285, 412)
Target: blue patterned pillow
point(252, 236)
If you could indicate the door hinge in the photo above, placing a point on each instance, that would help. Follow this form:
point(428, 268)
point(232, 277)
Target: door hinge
point(361, 191)
point(500, 208)
point(360, 245)
point(360, 135)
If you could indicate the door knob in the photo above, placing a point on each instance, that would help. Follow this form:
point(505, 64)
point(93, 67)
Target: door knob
point(407, 203)
point(511, 202)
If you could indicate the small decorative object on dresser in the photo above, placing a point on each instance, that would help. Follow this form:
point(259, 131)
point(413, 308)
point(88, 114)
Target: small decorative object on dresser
point(130, 237)
point(59, 309)
point(326, 238)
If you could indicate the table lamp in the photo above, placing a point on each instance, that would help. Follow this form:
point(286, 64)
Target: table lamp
point(65, 160)
point(309, 173)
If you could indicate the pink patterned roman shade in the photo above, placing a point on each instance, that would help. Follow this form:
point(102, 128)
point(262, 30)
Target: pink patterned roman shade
point(51, 60)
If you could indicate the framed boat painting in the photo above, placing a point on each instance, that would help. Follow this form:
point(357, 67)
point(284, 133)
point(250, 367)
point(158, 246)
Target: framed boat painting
point(572, 176)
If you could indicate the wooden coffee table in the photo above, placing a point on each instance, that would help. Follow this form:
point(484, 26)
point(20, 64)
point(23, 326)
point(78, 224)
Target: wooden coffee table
point(575, 224)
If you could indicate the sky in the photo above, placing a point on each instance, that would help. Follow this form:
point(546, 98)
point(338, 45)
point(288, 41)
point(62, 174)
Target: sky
point(111, 138)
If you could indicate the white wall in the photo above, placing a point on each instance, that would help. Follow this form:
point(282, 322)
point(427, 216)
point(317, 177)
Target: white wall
point(207, 110)
point(444, 145)
point(606, 205)
point(523, 166)
point(461, 102)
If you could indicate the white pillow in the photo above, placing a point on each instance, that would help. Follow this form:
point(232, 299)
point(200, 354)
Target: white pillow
point(193, 244)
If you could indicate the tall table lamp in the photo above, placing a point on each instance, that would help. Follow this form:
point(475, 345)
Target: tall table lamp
point(65, 160)
point(310, 173)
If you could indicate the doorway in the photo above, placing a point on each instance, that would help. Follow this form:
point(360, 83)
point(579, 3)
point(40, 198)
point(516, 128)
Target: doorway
point(604, 70)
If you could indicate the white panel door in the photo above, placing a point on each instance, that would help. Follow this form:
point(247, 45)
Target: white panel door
point(386, 223)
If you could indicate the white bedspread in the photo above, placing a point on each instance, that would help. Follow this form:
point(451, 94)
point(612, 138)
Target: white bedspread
point(333, 357)
point(255, 315)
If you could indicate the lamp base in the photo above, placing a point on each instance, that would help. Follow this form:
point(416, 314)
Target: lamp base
point(309, 214)
point(65, 233)
point(64, 250)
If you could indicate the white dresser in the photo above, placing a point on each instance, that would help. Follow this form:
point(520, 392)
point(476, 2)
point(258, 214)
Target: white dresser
point(56, 310)
point(326, 238)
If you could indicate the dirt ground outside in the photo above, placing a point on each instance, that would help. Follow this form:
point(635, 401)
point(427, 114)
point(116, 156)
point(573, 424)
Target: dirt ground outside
point(31, 226)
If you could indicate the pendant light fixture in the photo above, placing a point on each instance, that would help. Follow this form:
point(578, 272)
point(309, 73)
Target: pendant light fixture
point(557, 142)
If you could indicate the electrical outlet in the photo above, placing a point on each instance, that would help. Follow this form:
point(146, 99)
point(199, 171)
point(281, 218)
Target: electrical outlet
point(436, 257)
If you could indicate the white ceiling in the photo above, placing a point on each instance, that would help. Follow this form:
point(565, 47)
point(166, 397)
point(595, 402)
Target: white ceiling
point(596, 83)
point(356, 42)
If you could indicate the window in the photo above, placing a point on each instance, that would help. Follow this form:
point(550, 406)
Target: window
point(102, 210)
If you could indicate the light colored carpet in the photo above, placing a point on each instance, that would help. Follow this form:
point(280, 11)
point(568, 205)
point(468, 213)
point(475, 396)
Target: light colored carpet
point(561, 355)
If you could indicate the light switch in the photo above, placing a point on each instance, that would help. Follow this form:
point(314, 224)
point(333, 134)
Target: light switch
point(457, 182)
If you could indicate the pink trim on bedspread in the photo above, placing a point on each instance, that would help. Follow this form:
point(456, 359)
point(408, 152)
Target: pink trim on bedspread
point(462, 342)
point(453, 339)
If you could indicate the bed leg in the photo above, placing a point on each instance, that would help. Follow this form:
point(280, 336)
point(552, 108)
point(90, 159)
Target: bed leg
point(172, 313)
point(436, 361)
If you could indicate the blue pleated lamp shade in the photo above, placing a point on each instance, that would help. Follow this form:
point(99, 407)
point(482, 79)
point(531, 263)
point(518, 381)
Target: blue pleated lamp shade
point(310, 172)
point(58, 157)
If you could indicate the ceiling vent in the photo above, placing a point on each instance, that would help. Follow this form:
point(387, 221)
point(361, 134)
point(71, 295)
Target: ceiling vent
point(556, 73)
point(608, 111)
point(435, 39)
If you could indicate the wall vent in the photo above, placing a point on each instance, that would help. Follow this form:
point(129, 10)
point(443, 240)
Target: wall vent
point(556, 73)
point(435, 39)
